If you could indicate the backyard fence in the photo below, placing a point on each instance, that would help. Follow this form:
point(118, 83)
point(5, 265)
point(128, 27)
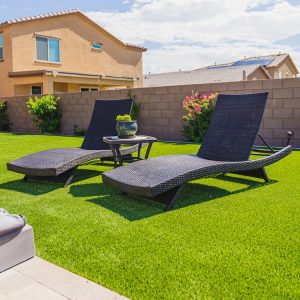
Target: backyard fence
point(161, 108)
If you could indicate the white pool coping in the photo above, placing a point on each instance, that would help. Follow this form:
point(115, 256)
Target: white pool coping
point(37, 279)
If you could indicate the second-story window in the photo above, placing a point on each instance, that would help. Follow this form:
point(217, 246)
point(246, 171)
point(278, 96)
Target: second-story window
point(47, 49)
point(1, 46)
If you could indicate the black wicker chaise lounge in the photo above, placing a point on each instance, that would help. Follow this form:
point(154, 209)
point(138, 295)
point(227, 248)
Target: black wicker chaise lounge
point(225, 149)
point(59, 165)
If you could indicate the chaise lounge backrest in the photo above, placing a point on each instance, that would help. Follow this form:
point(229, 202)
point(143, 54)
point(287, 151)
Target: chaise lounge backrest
point(234, 127)
point(104, 124)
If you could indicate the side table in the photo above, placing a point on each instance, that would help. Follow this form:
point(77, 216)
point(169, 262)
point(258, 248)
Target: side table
point(115, 143)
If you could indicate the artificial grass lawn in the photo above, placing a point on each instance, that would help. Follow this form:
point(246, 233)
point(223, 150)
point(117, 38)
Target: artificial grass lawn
point(227, 237)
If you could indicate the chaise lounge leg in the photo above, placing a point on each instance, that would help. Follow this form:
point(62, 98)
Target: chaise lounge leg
point(69, 177)
point(66, 178)
point(169, 197)
point(257, 173)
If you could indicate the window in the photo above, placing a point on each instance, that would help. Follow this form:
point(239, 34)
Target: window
point(1, 46)
point(47, 49)
point(97, 46)
point(279, 75)
point(88, 89)
point(36, 90)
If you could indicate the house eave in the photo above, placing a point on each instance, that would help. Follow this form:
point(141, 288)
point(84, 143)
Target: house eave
point(54, 74)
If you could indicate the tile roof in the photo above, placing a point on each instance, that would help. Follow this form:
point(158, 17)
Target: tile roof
point(63, 13)
point(200, 76)
point(38, 17)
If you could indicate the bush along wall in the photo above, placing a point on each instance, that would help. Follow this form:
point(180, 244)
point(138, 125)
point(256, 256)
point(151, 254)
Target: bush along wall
point(5, 125)
point(199, 110)
point(136, 107)
point(46, 113)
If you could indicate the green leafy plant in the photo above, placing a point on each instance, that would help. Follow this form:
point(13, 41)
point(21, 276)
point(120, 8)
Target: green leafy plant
point(136, 107)
point(5, 125)
point(123, 118)
point(199, 110)
point(78, 131)
point(46, 113)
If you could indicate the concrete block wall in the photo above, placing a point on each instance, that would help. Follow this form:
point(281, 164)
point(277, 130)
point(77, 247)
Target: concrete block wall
point(161, 112)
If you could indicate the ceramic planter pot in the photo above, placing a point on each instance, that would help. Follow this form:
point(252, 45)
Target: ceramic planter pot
point(126, 129)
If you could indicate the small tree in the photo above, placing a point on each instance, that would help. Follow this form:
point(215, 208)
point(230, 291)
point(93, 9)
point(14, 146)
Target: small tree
point(46, 113)
point(4, 120)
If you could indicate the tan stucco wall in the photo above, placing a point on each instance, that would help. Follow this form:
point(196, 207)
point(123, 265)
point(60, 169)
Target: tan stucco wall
point(60, 87)
point(21, 90)
point(6, 86)
point(258, 74)
point(76, 34)
point(284, 67)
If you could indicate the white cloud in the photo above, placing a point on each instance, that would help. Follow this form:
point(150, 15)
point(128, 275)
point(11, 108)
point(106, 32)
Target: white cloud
point(194, 33)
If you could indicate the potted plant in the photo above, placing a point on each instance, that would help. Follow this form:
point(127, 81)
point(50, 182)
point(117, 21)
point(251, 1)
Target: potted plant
point(126, 127)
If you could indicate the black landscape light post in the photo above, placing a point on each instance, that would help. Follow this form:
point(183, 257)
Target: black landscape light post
point(290, 135)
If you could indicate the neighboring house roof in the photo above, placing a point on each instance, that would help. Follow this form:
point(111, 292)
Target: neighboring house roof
point(200, 76)
point(267, 61)
point(63, 13)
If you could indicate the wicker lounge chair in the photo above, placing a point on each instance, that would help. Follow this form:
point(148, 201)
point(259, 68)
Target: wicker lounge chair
point(59, 165)
point(225, 149)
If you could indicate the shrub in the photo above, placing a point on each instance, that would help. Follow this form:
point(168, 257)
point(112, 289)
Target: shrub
point(123, 118)
point(136, 107)
point(4, 120)
point(199, 109)
point(46, 113)
point(135, 110)
point(78, 131)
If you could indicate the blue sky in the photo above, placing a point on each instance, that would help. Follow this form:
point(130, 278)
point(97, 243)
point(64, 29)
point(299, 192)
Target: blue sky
point(186, 34)
point(10, 9)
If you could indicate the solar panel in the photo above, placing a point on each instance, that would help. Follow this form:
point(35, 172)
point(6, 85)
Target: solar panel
point(262, 62)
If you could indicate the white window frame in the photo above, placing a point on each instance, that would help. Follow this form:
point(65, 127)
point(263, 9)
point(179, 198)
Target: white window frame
point(2, 58)
point(97, 49)
point(279, 74)
point(47, 38)
point(89, 88)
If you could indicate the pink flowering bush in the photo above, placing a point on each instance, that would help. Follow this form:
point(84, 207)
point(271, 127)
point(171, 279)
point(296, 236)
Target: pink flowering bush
point(199, 109)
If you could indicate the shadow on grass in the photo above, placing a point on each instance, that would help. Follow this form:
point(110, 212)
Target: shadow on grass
point(135, 208)
point(83, 174)
point(31, 188)
point(252, 183)
point(36, 188)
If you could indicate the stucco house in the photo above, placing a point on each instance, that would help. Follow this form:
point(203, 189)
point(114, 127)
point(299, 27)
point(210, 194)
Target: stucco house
point(64, 52)
point(260, 67)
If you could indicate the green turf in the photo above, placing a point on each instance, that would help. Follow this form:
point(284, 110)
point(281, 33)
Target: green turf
point(228, 237)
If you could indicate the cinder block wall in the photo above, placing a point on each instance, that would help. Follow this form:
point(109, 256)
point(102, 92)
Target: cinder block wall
point(161, 112)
